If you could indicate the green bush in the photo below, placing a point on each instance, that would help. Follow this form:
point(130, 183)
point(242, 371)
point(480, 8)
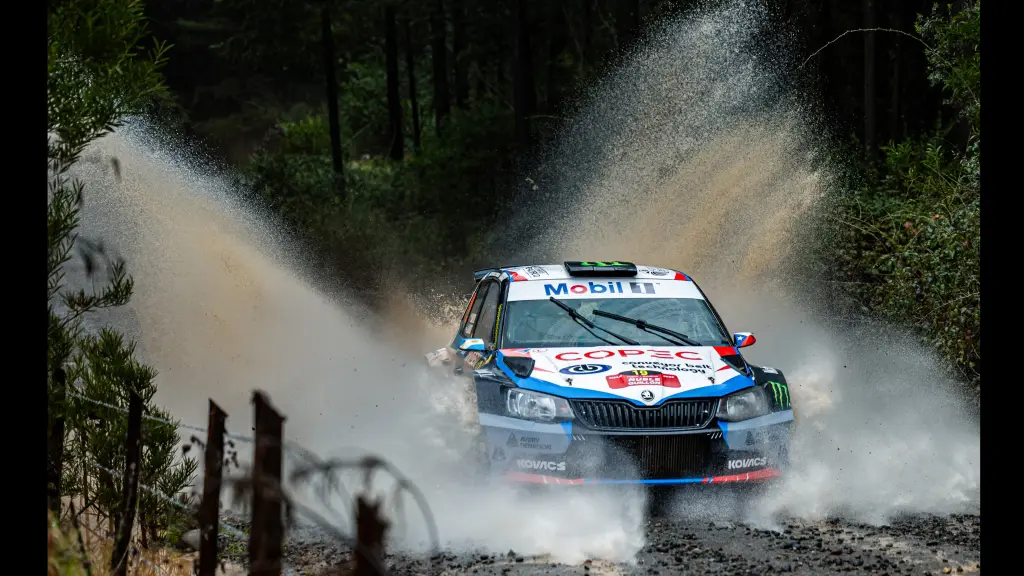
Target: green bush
point(910, 240)
point(425, 213)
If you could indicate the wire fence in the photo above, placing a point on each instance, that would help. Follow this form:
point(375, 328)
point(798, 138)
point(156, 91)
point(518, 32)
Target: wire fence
point(272, 507)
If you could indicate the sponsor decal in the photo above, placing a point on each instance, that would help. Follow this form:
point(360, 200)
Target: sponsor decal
point(532, 443)
point(598, 288)
point(647, 395)
point(584, 369)
point(780, 394)
point(747, 463)
point(769, 370)
point(667, 367)
point(599, 264)
point(586, 288)
point(540, 465)
point(536, 272)
point(600, 354)
point(642, 378)
point(528, 442)
point(655, 271)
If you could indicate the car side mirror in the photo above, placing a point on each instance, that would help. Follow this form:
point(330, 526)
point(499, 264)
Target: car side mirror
point(743, 339)
point(473, 345)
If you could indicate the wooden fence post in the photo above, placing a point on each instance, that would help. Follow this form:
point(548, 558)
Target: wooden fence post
point(267, 531)
point(370, 536)
point(209, 509)
point(132, 458)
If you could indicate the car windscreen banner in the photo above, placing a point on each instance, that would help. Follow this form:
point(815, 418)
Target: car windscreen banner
point(602, 288)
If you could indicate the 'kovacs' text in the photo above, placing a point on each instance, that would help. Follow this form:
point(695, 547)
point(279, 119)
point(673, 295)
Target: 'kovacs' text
point(746, 463)
point(540, 465)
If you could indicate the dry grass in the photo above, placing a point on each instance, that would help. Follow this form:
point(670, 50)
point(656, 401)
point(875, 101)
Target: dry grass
point(66, 557)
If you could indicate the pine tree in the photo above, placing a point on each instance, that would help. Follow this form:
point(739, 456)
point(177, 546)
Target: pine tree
point(95, 78)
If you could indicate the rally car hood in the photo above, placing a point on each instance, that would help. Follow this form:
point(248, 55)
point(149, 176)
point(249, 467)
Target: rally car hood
point(643, 375)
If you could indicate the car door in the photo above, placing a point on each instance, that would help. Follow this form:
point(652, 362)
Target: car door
point(480, 322)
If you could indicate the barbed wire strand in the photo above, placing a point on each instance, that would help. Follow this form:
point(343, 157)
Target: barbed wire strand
point(231, 529)
point(287, 445)
point(238, 437)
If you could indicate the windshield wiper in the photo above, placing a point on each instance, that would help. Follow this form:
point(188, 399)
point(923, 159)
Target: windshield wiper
point(582, 321)
point(682, 339)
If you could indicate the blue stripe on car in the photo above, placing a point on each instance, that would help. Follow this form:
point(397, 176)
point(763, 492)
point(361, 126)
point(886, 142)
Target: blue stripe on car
point(498, 421)
point(738, 382)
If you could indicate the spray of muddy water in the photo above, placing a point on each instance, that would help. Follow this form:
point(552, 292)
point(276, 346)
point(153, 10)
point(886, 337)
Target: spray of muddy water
point(690, 156)
point(695, 155)
point(220, 309)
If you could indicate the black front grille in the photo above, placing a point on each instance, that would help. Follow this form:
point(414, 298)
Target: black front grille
point(639, 457)
point(620, 415)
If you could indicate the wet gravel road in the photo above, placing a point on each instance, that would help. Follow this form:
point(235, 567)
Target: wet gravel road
point(920, 544)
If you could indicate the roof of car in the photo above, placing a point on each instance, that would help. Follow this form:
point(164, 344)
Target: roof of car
point(558, 272)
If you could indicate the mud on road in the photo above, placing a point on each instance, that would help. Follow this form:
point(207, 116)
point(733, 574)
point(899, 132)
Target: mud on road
point(916, 544)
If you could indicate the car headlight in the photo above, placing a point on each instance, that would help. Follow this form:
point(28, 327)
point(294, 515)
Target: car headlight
point(743, 405)
point(536, 406)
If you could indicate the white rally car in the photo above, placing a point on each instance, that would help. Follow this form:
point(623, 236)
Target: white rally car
point(609, 372)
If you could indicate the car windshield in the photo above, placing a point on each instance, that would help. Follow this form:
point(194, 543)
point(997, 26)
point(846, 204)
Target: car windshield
point(542, 324)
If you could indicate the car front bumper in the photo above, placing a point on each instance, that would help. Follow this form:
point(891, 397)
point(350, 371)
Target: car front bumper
point(571, 454)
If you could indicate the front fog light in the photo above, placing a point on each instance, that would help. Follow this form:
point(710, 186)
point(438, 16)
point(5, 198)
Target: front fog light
point(743, 405)
point(536, 406)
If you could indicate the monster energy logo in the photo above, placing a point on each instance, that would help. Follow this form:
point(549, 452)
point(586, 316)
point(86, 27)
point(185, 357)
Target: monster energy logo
point(781, 394)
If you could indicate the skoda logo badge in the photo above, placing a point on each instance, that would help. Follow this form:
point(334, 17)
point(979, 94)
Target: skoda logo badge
point(647, 395)
point(581, 369)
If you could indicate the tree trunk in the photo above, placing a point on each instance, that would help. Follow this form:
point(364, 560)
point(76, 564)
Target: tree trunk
point(524, 97)
point(410, 68)
point(327, 40)
point(896, 23)
point(557, 44)
point(119, 559)
point(635, 20)
point(499, 66)
point(626, 19)
point(394, 99)
point(55, 446)
point(458, 44)
point(869, 79)
point(588, 27)
point(442, 103)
